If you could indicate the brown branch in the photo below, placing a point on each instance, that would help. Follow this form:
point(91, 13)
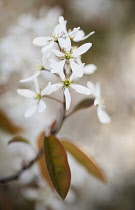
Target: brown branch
point(55, 99)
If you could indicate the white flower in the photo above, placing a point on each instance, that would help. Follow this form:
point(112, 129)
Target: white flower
point(39, 104)
point(78, 35)
point(60, 31)
point(44, 65)
point(99, 102)
point(62, 24)
point(36, 74)
point(49, 41)
point(66, 84)
point(89, 69)
point(69, 55)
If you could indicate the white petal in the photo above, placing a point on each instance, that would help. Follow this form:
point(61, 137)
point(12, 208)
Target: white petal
point(58, 67)
point(97, 90)
point(72, 77)
point(62, 75)
point(90, 85)
point(57, 31)
point(96, 102)
point(31, 111)
point(77, 69)
point(79, 35)
point(63, 23)
point(79, 60)
point(47, 59)
point(55, 87)
point(103, 116)
point(81, 89)
point(36, 84)
point(48, 46)
point(46, 90)
point(50, 88)
point(45, 56)
point(67, 97)
point(57, 53)
point(82, 49)
point(32, 77)
point(85, 37)
point(41, 41)
point(77, 39)
point(26, 93)
point(41, 106)
point(68, 44)
point(74, 33)
point(65, 44)
point(89, 69)
point(61, 43)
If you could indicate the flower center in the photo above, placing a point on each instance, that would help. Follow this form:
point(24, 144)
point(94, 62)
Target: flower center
point(67, 83)
point(102, 101)
point(39, 67)
point(67, 56)
point(56, 36)
point(38, 96)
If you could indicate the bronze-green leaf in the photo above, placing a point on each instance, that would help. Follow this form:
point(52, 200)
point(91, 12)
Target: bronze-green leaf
point(7, 125)
point(41, 161)
point(19, 139)
point(84, 104)
point(84, 160)
point(57, 165)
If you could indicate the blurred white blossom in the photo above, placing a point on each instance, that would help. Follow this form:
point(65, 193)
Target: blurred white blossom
point(99, 102)
point(17, 53)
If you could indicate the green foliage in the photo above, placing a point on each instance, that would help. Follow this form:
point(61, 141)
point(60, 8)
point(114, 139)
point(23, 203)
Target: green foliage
point(19, 139)
point(57, 165)
point(41, 161)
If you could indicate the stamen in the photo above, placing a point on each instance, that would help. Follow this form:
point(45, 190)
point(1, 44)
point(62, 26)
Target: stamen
point(38, 96)
point(40, 67)
point(67, 83)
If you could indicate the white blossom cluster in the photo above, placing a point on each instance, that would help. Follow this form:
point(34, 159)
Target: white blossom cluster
point(63, 59)
point(18, 36)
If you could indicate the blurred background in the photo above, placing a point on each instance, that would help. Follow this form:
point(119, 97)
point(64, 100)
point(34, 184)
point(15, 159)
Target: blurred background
point(111, 145)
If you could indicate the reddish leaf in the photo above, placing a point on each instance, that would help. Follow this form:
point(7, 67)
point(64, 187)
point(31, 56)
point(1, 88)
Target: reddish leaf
point(41, 162)
point(86, 103)
point(7, 125)
point(18, 139)
point(57, 165)
point(84, 160)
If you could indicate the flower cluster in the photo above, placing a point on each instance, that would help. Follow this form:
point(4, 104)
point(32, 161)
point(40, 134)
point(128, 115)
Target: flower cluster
point(63, 59)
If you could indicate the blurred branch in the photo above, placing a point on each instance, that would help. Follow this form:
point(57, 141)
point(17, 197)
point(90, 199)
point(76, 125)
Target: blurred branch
point(17, 175)
point(22, 170)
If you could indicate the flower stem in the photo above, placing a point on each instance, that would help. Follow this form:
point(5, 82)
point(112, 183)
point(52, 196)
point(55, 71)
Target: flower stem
point(55, 99)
